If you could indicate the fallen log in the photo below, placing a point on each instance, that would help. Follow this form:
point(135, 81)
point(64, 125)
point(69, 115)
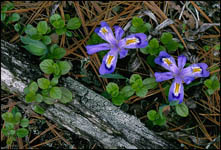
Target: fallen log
point(90, 115)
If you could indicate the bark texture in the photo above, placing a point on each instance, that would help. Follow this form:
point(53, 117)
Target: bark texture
point(90, 115)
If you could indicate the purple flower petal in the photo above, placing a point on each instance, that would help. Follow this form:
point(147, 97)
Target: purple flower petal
point(176, 92)
point(162, 76)
point(118, 32)
point(166, 61)
point(194, 71)
point(138, 40)
point(91, 49)
point(181, 61)
point(109, 62)
point(123, 53)
point(105, 32)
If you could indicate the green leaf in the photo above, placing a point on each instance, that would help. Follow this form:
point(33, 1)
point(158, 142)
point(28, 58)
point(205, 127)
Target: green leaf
point(160, 120)
point(43, 83)
point(30, 30)
point(154, 44)
point(150, 60)
point(182, 110)
point(163, 108)
point(151, 115)
point(37, 36)
point(30, 97)
point(42, 27)
point(3, 16)
point(38, 98)
point(24, 122)
point(174, 103)
point(142, 92)
point(14, 17)
point(166, 38)
point(54, 81)
point(212, 83)
point(144, 50)
point(39, 109)
point(9, 126)
point(57, 69)
point(8, 6)
point(49, 100)
point(172, 46)
point(118, 100)
point(150, 83)
point(67, 16)
point(210, 91)
point(61, 31)
point(54, 18)
point(112, 89)
point(15, 110)
point(55, 93)
point(9, 140)
point(8, 117)
point(64, 66)
point(148, 26)
point(46, 66)
point(74, 23)
point(45, 92)
point(33, 87)
point(17, 118)
point(58, 24)
point(136, 21)
point(57, 53)
point(26, 90)
point(217, 47)
point(22, 132)
point(66, 95)
point(69, 34)
point(5, 131)
point(17, 27)
point(206, 47)
point(113, 76)
point(135, 78)
point(46, 40)
point(127, 91)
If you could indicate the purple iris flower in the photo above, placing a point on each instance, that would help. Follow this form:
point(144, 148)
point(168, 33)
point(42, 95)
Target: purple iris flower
point(116, 45)
point(180, 74)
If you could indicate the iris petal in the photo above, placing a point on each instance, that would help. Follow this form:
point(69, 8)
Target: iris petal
point(118, 32)
point(181, 61)
point(166, 61)
point(176, 92)
point(138, 40)
point(162, 76)
point(91, 49)
point(109, 62)
point(123, 53)
point(105, 32)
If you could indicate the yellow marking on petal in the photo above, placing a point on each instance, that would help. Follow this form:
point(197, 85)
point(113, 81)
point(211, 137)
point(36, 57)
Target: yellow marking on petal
point(167, 61)
point(103, 30)
point(109, 61)
point(131, 41)
point(196, 69)
point(177, 89)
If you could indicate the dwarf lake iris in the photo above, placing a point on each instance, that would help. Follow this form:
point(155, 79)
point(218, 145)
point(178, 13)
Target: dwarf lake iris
point(180, 74)
point(115, 45)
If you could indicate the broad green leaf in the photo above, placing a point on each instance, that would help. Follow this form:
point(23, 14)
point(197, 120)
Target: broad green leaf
point(30, 30)
point(43, 83)
point(64, 66)
point(8, 6)
point(135, 78)
point(61, 31)
point(57, 69)
point(59, 24)
point(142, 92)
point(150, 83)
point(66, 95)
point(54, 17)
point(172, 46)
point(33, 87)
point(160, 120)
point(17, 118)
point(112, 76)
point(151, 115)
point(46, 40)
point(30, 97)
point(67, 16)
point(127, 91)
point(182, 110)
point(112, 89)
point(48, 100)
point(38, 98)
point(22, 132)
point(46, 66)
point(136, 21)
point(154, 44)
point(8, 117)
point(210, 91)
point(118, 100)
point(24, 122)
point(45, 92)
point(37, 36)
point(55, 93)
point(69, 34)
point(166, 37)
point(15, 110)
point(150, 60)
point(174, 103)
point(11, 132)
point(144, 50)
point(17, 27)
point(42, 27)
point(9, 125)
point(217, 47)
point(57, 53)
point(3, 16)
point(9, 140)
point(5, 131)
point(39, 109)
point(54, 81)
point(74, 23)
point(14, 17)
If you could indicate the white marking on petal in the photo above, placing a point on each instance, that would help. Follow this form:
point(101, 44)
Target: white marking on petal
point(196, 70)
point(167, 61)
point(133, 40)
point(109, 61)
point(176, 89)
point(104, 30)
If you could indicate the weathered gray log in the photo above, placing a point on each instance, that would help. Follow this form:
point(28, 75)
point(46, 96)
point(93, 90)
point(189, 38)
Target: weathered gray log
point(89, 115)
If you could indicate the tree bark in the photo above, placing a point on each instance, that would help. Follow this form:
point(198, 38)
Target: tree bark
point(89, 115)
